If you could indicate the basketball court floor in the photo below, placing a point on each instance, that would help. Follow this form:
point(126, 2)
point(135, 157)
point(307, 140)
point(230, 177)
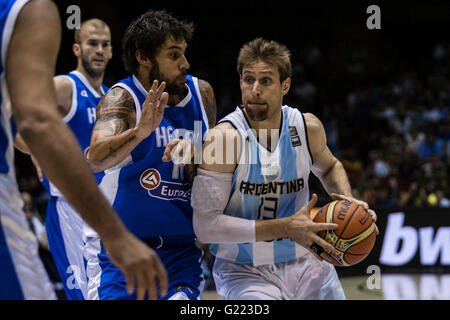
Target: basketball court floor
point(389, 287)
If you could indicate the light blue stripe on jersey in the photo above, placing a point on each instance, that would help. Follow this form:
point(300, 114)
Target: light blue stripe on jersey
point(285, 249)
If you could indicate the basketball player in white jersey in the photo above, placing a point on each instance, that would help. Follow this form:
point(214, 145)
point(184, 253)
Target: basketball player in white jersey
point(30, 42)
point(251, 197)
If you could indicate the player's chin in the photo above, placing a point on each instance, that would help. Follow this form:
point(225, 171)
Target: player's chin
point(257, 112)
point(97, 69)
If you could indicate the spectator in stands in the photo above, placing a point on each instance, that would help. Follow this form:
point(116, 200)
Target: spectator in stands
point(431, 146)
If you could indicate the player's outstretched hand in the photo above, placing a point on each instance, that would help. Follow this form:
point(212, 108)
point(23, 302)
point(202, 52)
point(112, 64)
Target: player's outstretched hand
point(153, 109)
point(304, 231)
point(364, 204)
point(180, 151)
point(140, 265)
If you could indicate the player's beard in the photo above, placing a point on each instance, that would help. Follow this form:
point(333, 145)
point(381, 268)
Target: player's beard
point(257, 113)
point(93, 73)
point(171, 87)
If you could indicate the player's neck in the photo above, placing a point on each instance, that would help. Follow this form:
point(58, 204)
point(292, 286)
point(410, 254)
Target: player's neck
point(264, 129)
point(95, 82)
point(175, 99)
point(272, 122)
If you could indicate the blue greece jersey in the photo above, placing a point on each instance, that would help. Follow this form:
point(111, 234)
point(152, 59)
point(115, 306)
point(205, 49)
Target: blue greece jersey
point(63, 223)
point(268, 185)
point(152, 197)
point(81, 117)
point(22, 274)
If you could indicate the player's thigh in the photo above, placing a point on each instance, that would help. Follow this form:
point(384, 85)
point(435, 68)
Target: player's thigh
point(242, 282)
point(311, 279)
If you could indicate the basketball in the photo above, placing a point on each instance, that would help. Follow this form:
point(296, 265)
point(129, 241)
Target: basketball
point(355, 236)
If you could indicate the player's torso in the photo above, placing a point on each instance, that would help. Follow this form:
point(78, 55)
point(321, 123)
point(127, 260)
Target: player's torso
point(81, 116)
point(152, 196)
point(268, 185)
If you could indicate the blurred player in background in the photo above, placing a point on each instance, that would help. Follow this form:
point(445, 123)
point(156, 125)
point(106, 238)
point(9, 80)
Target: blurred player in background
point(137, 126)
point(31, 33)
point(77, 96)
point(252, 201)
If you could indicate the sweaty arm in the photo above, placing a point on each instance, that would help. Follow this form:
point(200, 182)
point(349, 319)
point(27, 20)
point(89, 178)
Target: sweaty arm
point(326, 167)
point(115, 133)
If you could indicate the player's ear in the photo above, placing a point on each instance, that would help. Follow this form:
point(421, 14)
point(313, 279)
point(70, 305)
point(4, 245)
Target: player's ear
point(76, 49)
point(286, 85)
point(110, 55)
point(143, 58)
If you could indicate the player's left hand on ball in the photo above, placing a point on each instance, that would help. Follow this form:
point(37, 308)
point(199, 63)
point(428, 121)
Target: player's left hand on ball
point(180, 151)
point(304, 231)
point(364, 204)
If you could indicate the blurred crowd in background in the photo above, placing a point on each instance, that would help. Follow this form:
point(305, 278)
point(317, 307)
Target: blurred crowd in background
point(392, 128)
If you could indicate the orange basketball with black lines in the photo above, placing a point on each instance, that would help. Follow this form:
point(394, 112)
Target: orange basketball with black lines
point(355, 236)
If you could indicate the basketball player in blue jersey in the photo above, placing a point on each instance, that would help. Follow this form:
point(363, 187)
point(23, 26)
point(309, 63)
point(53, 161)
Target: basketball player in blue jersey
point(77, 96)
point(30, 32)
point(129, 140)
point(251, 200)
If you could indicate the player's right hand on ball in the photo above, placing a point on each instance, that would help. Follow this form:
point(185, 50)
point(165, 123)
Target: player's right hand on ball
point(153, 109)
point(139, 264)
point(304, 231)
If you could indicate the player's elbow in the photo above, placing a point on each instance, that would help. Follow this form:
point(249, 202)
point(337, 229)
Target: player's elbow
point(200, 229)
point(34, 124)
point(95, 160)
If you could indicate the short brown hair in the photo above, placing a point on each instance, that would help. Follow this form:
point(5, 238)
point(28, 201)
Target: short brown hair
point(97, 23)
point(271, 52)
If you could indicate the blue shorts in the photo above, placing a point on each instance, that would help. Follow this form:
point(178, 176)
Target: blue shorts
point(182, 263)
point(64, 233)
point(10, 287)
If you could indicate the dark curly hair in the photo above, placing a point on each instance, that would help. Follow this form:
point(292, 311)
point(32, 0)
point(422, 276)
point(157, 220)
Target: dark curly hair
point(149, 32)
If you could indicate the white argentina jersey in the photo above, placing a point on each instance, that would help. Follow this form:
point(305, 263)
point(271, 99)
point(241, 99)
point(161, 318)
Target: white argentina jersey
point(268, 185)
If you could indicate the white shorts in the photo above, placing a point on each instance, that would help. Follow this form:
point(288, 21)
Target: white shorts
point(305, 278)
point(22, 273)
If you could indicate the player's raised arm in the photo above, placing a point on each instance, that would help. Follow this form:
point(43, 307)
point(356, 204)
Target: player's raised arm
point(115, 133)
point(29, 73)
